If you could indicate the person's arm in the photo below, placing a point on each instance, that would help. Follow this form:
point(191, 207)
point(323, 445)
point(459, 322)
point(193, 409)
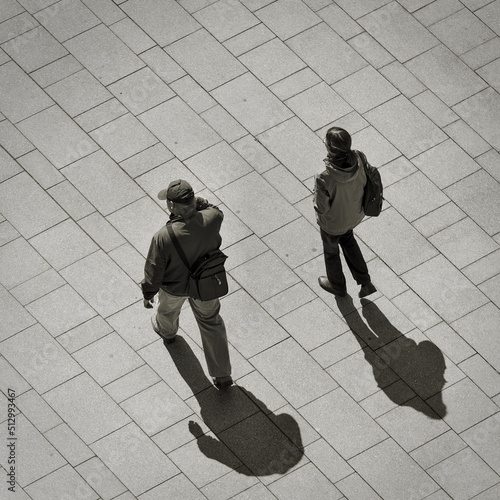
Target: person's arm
point(321, 196)
point(154, 271)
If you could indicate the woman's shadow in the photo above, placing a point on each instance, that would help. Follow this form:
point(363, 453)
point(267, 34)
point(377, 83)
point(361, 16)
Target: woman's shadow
point(250, 438)
point(421, 366)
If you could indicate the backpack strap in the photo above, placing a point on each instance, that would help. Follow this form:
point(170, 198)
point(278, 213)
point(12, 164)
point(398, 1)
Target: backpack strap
point(177, 245)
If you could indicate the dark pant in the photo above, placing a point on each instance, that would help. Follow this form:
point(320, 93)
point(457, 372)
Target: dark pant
point(353, 257)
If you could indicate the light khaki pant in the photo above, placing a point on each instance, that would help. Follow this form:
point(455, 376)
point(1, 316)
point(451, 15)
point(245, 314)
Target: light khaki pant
point(212, 328)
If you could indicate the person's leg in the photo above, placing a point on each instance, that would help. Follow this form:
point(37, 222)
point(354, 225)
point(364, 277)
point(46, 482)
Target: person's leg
point(213, 336)
point(354, 258)
point(333, 264)
point(167, 315)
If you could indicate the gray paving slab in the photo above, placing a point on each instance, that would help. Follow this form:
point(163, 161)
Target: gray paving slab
point(145, 467)
point(326, 53)
point(251, 103)
point(264, 276)
point(456, 243)
point(167, 408)
point(403, 79)
point(179, 486)
point(56, 71)
point(464, 474)
point(34, 49)
point(132, 35)
point(174, 123)
point(104, 54)
point(39, 358)
point(294, 155)
point(14, 317)
point(63, 244)
point(193, 94)
point(444, 288)
point(205, 59)
point(218, 166)
point(165, 22)
point(439, 219)
point(462, 31)
point(59, 483)
point(86, 407)
point(435, 67)
point(68, 444)
point(225, 20)
point(466, 405)
point(477, 207)
point(28, 224)
point(100, 115)
point(306, 106)
point(101, 231)
point(482, 374)
point(288, 17)
point(398, 31)
point(57, 137)
point(132, 383)
point(480, 111)
point(342, 423)
point(70, 18)
point(445, 164)
point(22, 99)
point(415, 196)
point(40, 169)
point(110, 352)
point(40, 414)
point(42, 459)
point(123, 137)
point(96, 277)
point(438, 449)
point(294, 484)
point(248, 39)
point(272, 61)
point(411, 479)
point(434, 108)
point(102, 480)
point(102, 182)
point(12, 140)
point(405, 251)
point(74, 310)
point(405, 126)
point(12, 378)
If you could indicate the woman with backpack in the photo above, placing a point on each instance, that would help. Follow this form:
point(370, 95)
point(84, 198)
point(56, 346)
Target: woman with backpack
point(338, 203)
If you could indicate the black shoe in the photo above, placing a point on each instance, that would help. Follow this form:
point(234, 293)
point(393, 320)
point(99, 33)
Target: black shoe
point(166, 341)
point(326, 285)
point(367, 289)
point(223, 382)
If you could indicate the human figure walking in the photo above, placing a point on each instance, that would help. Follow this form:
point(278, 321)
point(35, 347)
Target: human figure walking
point(196, 225)
point(338, 196)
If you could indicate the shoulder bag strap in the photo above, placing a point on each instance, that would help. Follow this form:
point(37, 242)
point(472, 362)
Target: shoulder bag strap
point(177, 245)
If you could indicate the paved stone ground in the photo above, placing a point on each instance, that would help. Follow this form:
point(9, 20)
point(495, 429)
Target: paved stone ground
point(103, 103)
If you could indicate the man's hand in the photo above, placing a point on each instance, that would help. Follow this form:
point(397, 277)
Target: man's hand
point(201, 203)
point(148, 304)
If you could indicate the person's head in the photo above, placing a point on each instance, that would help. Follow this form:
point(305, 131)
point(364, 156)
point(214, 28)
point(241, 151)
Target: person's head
point(338, 143)
point(180, 198)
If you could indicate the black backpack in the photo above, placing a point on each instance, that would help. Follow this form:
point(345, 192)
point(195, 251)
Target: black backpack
point(372, 195)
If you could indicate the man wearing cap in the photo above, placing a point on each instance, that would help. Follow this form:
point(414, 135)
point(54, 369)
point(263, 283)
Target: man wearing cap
point(196, 224)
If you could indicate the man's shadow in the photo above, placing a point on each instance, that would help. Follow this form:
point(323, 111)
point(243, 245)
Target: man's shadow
point(421, 366)
point(250, 438)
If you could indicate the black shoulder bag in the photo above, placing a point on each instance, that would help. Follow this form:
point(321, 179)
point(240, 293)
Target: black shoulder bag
point(207, 276)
